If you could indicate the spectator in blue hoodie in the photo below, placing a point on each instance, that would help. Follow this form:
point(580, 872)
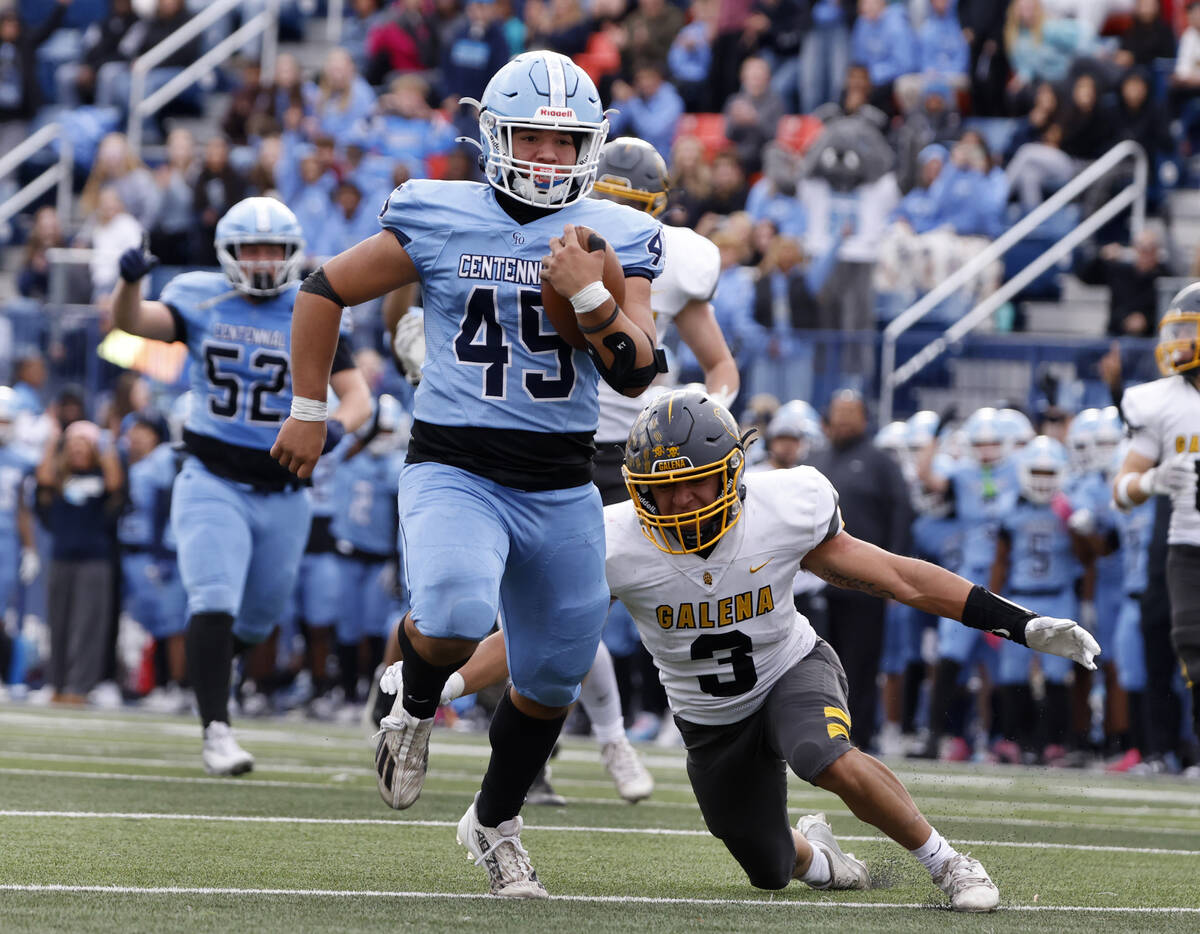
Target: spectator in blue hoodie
point(942, 52)
point(347, 221)
point(884, 41)
point(407, 129)
point(475, 49)
point(340, 98)
point(650, 109)
point(690, 57)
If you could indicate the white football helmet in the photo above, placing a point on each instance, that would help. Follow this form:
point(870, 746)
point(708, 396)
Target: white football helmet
point(1042, 468)
point(258, 221)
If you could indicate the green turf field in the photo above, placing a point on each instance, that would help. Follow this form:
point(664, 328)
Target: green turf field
point(107, 823)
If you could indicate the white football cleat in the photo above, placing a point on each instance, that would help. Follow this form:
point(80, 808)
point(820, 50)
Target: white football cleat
point(967, 883)
point(401, 756)
point(845, 872)
point(222, 755)
point(499, 851)
point(627, 770)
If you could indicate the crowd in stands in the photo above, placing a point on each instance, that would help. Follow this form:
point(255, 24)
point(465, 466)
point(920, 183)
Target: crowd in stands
point(844, 156)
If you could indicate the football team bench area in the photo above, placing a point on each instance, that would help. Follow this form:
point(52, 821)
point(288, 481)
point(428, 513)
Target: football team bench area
point(106, 826)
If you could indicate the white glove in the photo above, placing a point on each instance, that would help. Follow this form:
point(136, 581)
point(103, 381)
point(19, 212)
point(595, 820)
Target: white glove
point(1177, 474)
point(408, 344)
point(31, 566)
point(389, 681)
point(1082, 522)
point(1062, 637)
point(453, 689)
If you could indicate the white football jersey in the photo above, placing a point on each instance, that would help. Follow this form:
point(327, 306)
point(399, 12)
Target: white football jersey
point(1164, 420)
point(723, 630)
point(693, 264)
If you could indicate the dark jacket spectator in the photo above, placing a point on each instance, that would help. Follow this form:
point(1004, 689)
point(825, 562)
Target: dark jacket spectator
point(1088, 123)
point(218, 188)
point(650, 30)
point(1130, 276)
point(1141, 118)
point(1148, 38)
point(33, 281)
point(101, 45)
point(556, 24)
point(169, 16)
point(20, 94)
point(729, 191)
point(752, 114)
point(79, 497)
point(780, 26)
point(475, 50)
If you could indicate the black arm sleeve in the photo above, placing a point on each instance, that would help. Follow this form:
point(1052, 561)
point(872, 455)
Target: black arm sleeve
point(180, 324)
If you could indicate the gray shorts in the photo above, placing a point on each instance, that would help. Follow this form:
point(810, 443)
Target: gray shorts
point(739, 770)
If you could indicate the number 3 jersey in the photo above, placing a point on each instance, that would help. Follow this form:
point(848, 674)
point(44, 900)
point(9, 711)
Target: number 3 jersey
point(240, 376)
point(1164, 420)
point(723, 630)
point(492, 359)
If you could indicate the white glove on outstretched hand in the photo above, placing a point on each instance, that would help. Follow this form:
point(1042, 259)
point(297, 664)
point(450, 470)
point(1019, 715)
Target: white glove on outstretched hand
point(31, 565)
point(1177, 474)
point(1063, 637)
point(408, 344)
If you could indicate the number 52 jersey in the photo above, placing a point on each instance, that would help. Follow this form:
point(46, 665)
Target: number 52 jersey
point(723, 630)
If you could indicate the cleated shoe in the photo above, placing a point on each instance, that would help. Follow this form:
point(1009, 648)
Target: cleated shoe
point(401, 756)
point(541, 792)
point(499, 851)
point(967, 883)
point(845, 871)
point(627, 770)
point(221, 754)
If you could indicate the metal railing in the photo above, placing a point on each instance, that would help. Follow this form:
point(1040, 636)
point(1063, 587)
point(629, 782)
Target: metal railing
point(60, 175)
point(1132, 196)
point(264, 23)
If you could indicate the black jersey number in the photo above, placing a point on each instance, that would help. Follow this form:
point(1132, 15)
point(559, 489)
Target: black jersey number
point(741, 662)
point(481, 341)
point(230, 387)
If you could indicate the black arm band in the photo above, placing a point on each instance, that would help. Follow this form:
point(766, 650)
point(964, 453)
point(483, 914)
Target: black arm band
point(607, 322)
point(623, 374)
point(317, 283)
point(984, 610)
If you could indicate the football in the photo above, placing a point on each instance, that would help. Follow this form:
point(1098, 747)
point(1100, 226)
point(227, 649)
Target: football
point(559, 310)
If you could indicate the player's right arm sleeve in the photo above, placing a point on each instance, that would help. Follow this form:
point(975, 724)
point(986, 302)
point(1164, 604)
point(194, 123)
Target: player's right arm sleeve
point(183, 296)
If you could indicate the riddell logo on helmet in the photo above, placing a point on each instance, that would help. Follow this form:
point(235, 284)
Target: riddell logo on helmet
point(558, 113)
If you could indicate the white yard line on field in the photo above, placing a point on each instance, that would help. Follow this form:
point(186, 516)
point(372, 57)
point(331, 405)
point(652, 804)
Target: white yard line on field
point(548, 828)
point(592, 899)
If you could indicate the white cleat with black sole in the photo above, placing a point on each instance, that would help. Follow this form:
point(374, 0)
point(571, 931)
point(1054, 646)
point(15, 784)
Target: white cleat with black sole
point(845, 871)
point(499, 851)
point(221, 754)
point(967, 883)
point(401, 756)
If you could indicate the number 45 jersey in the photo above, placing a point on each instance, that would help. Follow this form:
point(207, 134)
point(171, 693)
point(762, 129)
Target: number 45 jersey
point(492, 359)
point(723, 630)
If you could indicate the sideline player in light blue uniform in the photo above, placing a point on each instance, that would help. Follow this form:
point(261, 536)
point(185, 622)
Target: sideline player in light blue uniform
point(16, 519)
point(983, 488)
point(365, 528)
point(240, 521)
point(153, 592)
point(1037, 559)
point(496, 506)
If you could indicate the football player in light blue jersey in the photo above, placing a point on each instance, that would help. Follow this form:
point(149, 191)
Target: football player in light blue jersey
point(18, 554)
point(240, 520)
point(496, 508)
point(983, 488)
point(365, 526)
point(152, 590)
point(1037, 558)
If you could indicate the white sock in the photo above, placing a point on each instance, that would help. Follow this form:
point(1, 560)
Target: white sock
point(818, 872)
point(602, 700)
point(934, 852)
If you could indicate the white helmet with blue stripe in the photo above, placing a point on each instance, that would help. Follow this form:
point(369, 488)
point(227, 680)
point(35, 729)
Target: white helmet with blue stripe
point(987, 440)
point(1042, 468)
point(541, 90)
point(1017, 428)
point(259, 221)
